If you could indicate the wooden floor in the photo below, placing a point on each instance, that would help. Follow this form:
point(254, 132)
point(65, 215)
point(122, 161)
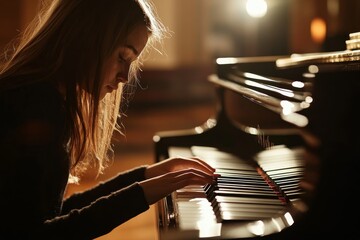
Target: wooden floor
point(137, 149)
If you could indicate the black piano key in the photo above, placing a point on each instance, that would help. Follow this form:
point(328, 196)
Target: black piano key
point(241, 216)
point(269, 195)
point(285, 170)
point(240, 175)
point(288, 181)
point(289, 175)
point(214, 190)
point(230, 206)
point(253, 200)
point(290, 187)
point(226, 165)
point(243, 186)
point(241, 210)
point(247, 191)
point(255, 182)
point(235, 172)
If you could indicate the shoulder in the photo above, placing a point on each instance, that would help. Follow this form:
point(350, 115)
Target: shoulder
point(31, 99)
point(32, 111)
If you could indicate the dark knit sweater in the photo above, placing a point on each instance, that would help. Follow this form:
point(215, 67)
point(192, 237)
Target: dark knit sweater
point(35, 169)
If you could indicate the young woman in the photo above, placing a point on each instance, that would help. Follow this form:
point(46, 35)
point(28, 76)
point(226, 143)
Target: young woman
point(60, 91)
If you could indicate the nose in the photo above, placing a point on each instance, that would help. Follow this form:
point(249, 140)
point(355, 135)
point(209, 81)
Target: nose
point(124, 74)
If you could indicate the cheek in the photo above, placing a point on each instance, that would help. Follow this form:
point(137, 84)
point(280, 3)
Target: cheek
point(109, 73)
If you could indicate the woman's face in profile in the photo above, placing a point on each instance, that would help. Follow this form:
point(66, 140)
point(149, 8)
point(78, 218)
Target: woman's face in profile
point(116, 67)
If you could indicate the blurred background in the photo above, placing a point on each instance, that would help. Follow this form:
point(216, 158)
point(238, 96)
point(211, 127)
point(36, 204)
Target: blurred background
point(175, 92)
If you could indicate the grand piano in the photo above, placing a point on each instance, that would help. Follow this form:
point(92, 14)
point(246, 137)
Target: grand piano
point(286, 143)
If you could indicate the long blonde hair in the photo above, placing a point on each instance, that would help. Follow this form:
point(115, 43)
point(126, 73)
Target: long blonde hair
point(66, 44)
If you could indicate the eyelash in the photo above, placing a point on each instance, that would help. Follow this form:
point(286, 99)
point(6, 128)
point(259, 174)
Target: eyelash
point(122, 59)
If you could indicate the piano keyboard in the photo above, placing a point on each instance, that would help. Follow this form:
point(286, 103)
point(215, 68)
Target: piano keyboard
point(246, 192)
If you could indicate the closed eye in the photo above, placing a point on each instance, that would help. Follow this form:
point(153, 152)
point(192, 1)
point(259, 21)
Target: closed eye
point(127, 54)
point(122, 59)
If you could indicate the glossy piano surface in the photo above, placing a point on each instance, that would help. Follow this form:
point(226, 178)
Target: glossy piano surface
point(255, 197)
point(286, 141)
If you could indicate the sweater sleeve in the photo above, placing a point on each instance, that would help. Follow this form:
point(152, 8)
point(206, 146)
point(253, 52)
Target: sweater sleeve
point(123, 179)
point(99, 217)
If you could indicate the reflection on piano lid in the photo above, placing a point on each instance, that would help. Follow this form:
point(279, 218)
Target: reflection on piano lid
point(284, 100)
point(319, 58)
point(291, 188)
point(351, 54)
point(354, 42)
point(287, 97)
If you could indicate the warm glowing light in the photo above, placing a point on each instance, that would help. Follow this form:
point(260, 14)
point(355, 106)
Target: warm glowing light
point(252, 130)
point(257, 228)
point(208, 228)
point(255, 76)
point(308, 75)
point(199, 130)
point(226, 60)
point(288, 107)
point(313, 68)
point(309, 99)
point(287, 93)
point(256, 8)
point(304, 105)
point(298, 84)
point(211, 122)
point(318, 30)
point(289, 218)
point(278, 224)
point(295, 118)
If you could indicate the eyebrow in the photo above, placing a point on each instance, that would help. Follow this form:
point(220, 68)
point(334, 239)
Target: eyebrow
point(136, 52)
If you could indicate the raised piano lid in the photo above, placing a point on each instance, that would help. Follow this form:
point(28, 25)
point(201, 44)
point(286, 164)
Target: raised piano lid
point(284, 84)
point(283, 101)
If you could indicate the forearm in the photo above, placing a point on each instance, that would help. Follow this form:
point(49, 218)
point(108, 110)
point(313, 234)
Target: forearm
point(114, 184)
point(100, 217)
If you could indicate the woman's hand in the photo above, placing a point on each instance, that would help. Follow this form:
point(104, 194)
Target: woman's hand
point(169, 175)
point(178, 163)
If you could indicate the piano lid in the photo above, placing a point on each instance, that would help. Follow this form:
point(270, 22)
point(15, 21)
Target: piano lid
point(290, 97)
